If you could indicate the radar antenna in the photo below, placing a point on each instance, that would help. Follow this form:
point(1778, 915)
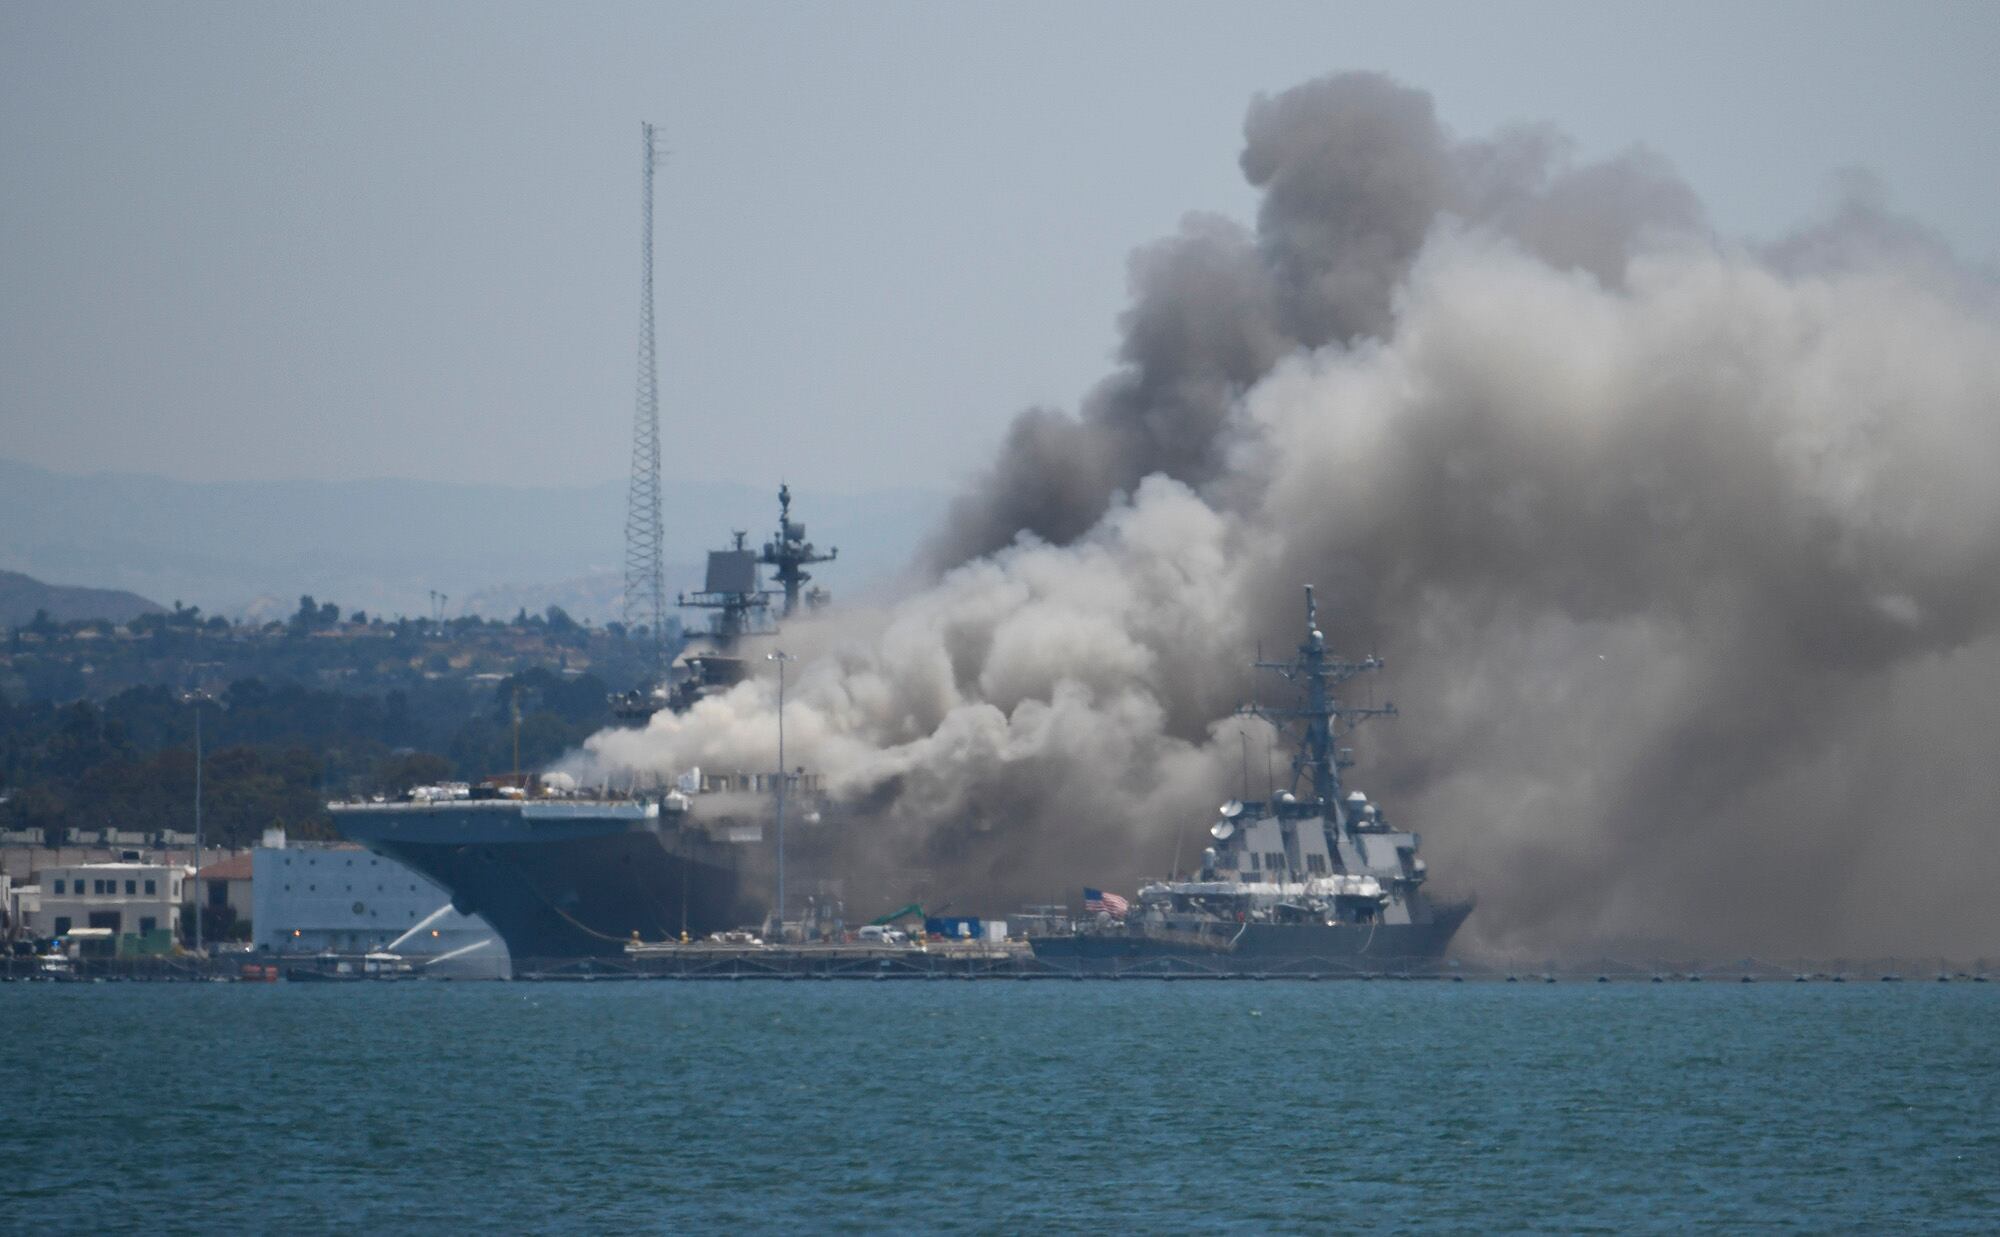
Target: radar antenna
point(789, 553)
point(732, 591)
point(1319, 714)
point(645, 590)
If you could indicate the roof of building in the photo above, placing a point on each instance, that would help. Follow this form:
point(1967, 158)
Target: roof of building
point(114, 867)
point(234, 868)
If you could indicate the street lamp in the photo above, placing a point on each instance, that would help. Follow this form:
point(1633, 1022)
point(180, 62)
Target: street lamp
point(781, 657)
point(197, 699)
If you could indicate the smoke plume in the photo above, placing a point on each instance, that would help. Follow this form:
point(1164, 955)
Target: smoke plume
point(1684, 555)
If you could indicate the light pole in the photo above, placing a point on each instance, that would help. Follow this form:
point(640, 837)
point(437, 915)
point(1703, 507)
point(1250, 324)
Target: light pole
point(781, 657)
point(197, 699)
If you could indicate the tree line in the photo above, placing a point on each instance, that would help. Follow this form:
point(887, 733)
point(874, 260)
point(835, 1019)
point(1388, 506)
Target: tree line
point(274, 753)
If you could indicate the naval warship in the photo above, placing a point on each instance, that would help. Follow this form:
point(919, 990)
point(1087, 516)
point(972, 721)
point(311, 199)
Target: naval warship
point(560, 875)
point(564, 875)
point(1315, 873)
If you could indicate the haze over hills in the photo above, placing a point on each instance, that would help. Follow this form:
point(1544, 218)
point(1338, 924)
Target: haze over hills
point(249, 547)
point(21, 596)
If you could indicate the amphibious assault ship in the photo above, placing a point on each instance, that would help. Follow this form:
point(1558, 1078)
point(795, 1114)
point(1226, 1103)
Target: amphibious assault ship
point(563, 875)
point(560, 875)
point(1314, 873)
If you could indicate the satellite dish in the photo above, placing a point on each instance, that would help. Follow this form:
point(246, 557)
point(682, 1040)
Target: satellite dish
point(1221, 830)
point(1232, 809)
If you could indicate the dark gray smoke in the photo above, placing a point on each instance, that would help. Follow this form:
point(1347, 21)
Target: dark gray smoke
point(1655, 563)
point(1686, 556)
point(1356, 171)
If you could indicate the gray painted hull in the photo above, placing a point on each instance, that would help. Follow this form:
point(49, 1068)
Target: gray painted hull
point(568, 888)
point(1261, 946)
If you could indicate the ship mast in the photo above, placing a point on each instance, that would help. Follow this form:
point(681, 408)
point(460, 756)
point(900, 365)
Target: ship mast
point(1324, 719)
point(790, 553)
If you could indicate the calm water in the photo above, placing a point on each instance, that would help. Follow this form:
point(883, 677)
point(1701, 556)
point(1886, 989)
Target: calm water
point(1000, 1106)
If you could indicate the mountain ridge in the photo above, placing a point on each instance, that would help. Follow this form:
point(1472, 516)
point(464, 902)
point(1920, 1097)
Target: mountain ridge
point(22, 595)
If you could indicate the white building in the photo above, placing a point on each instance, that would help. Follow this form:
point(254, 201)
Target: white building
point(139, 902)
point(15, 900)
point(24, 902)
point(320, 897)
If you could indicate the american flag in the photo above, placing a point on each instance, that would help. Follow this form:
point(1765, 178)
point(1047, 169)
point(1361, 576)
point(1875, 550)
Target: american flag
point(1095, 900)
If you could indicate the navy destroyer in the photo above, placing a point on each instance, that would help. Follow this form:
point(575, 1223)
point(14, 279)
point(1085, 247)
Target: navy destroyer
point(1314, 873)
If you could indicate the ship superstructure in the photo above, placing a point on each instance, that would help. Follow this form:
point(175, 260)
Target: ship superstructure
point(740, 607)
point(788, 554)
point(1315, 871)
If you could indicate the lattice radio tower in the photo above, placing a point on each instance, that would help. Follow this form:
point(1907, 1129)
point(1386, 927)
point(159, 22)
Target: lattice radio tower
point(645, 591)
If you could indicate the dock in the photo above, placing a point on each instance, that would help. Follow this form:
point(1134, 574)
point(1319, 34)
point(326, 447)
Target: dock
point(1012, 960)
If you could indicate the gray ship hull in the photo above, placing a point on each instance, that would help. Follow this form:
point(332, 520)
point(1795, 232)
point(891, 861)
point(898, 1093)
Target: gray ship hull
point(1260, 946)
point(579, 884)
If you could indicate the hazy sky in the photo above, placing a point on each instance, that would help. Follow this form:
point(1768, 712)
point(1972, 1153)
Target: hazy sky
point(401, 240)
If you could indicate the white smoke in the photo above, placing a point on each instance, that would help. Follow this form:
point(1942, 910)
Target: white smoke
point(1023, 697)
point(1685, 557)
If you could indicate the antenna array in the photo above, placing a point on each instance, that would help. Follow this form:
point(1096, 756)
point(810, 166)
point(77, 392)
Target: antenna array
point(645, 590)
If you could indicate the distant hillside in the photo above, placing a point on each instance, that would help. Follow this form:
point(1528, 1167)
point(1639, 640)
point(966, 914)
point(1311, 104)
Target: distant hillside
point(382, 546)
point(21, 596)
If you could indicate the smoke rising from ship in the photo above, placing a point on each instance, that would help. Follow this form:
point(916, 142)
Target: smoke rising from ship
point(1684, 555)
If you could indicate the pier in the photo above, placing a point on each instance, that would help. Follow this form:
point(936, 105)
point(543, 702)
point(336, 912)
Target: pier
point(1014, 960)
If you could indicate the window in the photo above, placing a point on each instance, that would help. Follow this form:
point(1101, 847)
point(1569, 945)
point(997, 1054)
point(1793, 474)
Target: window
point(59, 888)
point(97, 886)
point(1250, 857)
point(148, 925)
point(131, 888)
point(62, 925)
point(1316, 864)
point(1275, 861)
point(152, 887)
